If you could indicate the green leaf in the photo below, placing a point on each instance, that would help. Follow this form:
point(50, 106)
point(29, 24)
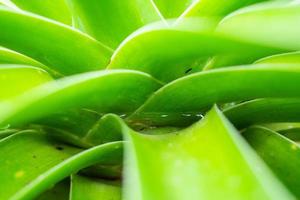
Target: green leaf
point(215, 8)
point(115, 91)
point(173, 8)
point(280, 153)
point(43, 162)
point(292, 58)
point(57, 46)
point(167, 59)
point(53, 9)
point(59, 192)
point(209, 160)
point(258, 24)
point(8, 56)
point(263, 111)
point(94, 189)
point(110, 22)
point(16, 79)
point(34, 155)
point(184, 100)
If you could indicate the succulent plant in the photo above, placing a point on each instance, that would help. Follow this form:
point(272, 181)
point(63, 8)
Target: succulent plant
point(149, 99)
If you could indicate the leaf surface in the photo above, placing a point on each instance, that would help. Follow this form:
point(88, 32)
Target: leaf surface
point(280, 153)
point(208, 155)
point(110, 22)
point(57, 46)
point(93, 189)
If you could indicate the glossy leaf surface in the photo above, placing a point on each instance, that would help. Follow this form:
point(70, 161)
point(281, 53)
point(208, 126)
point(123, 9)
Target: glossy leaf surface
point(102, 91)
point(280, 153)
point(57, 46)
point(110, 22)
point(194, 94)
point(16, 79)
point(208, 155)
point(53, 9)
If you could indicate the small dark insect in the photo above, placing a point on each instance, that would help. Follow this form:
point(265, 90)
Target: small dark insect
point(188, 70)
point(59, 148)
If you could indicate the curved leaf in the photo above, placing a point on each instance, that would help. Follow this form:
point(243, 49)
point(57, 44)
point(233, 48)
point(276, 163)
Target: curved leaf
point(94, 189)
point(34, 155)
point(110, 22)
point(8, 56)
point(53, 9)
point(192, 163)
point(43, 162)
point(215, 8)
point(264, 111)
point(293, 57)
point(59, 47)
point(181, 101)
point(172, 8)
point(258, 25)
point(101, 91)
point(155, 49)
point(280, 153)
point(16, 79)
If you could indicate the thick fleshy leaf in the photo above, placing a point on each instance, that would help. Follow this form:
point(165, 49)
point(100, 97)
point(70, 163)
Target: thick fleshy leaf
point(16, 79)
point(208, 155)
point(43, 162)
point(53, 9)
point(8, 56)
point(35, 154)
point(280, 153)
point(215, 8)
point(172, 8)
point(281, 58)
point(181, 101)
point(57, 46)
point(93, 189)
point(101, 91)
point(258, 25)
point(263, 111)
point(155, 48)
point(107, 129)
point(110, 22)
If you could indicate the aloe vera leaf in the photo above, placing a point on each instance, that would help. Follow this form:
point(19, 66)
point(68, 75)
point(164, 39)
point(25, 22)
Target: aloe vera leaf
point(57, 46)
point(280, 153)
point(36, 154)
point(59, 192)
point(166, 58)
point(293, 57)
point(110, 22)
point(58, 161)
point(110, 152)
point(258, 25)
point(101, 91)
point(208, 155)
point(263, 111)
point(173, 104)
point(107, 129)
point(53, 9)
point(278, 127)
point(8, 56)
point(172, 8)
point(92, 189)
point(16, 79)
point(220, 8)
